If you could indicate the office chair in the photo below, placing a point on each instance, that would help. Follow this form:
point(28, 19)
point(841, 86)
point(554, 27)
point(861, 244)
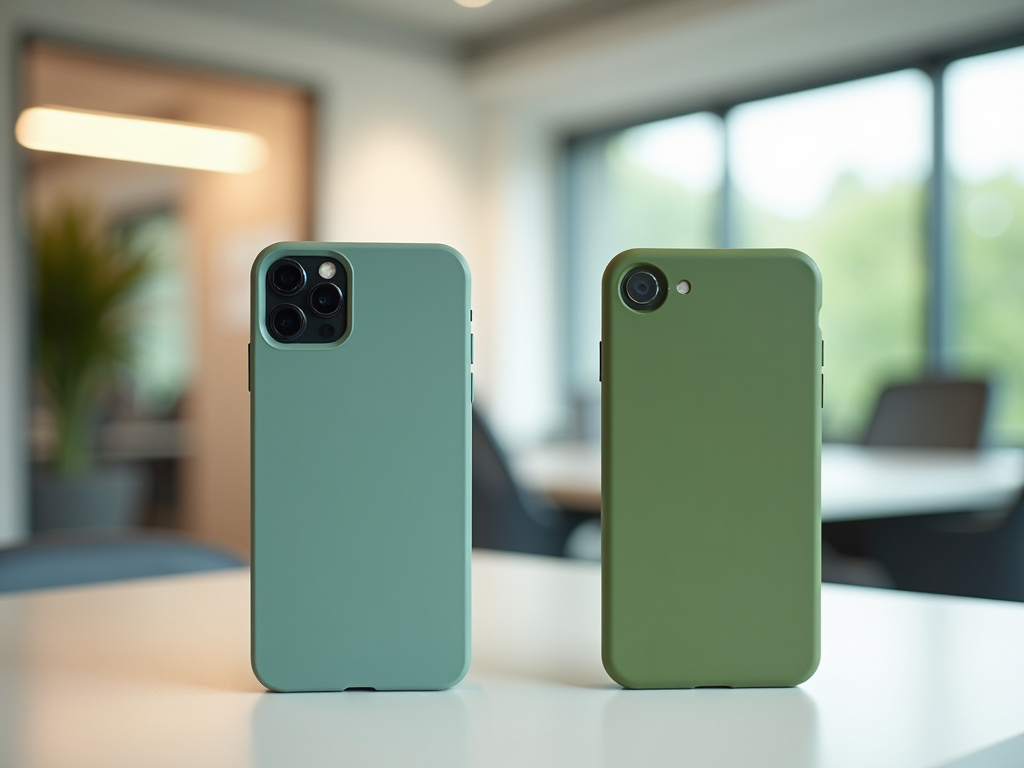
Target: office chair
point(506, 517)
point(970, 554)
point(961, 554)
point(66, 560)
point(939, 413)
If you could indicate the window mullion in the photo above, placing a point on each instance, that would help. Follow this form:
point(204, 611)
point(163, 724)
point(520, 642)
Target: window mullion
point(726, 219)
point(938, 282)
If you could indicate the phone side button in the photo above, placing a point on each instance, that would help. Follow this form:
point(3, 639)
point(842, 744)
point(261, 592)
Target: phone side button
point(600, 361)
point(472, 393)
point(823, 390)
point(248, 367)
point(471, 349)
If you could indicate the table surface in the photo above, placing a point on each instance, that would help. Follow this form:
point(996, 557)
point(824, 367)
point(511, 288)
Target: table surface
point(856, 482)
point(155, 672)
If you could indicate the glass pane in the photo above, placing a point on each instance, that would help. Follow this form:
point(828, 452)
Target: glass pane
point(985, 115)
point(162, 359)
point(654, 185)
point(839, 173)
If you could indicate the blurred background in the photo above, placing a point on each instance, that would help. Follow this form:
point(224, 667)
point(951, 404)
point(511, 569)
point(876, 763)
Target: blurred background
point(883, 137)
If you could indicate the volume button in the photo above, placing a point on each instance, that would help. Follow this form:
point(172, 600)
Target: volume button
point(471, 349)
point(600, 361)
point(248, 367)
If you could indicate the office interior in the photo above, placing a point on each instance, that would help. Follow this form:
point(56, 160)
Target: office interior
point(883, 139)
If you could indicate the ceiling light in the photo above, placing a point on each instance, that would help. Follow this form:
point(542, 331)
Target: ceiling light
point(139, 139)
point(472, 3)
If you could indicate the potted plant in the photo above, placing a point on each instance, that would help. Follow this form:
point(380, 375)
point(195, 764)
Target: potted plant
point(85, 280)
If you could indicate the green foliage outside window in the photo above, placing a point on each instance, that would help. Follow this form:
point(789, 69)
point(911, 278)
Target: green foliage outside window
point(988, 278)
point(868, 246)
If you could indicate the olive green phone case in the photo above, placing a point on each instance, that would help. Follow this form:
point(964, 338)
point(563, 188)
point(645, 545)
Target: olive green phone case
point(361, 479)
point(711, 452)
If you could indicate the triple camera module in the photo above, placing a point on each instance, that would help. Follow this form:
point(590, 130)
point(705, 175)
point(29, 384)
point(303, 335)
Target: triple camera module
point(644, 288)
point(305, 300)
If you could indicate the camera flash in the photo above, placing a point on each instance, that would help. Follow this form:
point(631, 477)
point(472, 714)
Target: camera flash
point(327, 270)
point(683, 286)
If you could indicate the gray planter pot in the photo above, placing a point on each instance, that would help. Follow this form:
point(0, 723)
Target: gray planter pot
point(109, 497)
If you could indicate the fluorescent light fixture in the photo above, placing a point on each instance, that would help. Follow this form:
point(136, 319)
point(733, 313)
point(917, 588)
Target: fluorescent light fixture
point(139, 139)
point(472, 3)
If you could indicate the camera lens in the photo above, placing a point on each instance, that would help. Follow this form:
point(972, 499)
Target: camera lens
point(287, 322)
point(287, 277)
point(325, 299)
point(642, 288)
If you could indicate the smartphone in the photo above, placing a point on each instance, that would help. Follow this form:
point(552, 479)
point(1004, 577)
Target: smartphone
point(711, 453)
point(360, 391)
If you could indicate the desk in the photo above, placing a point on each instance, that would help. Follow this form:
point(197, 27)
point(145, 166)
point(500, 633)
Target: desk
point(156, 673)
point(856, 483)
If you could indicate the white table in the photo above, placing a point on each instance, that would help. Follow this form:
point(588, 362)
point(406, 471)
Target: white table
point(856, 482)
point(156, 673)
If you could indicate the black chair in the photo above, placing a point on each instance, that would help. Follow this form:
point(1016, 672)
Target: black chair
point(933, 413)
point(505, 516)
point(971, 554)
point(66, 560)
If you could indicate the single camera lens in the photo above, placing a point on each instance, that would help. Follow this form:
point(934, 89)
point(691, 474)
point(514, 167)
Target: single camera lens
point(287, 322)
point(287, 277)
point(325, 299)
point(642, 288)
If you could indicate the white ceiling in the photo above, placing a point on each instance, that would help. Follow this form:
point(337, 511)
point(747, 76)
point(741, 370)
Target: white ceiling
point(672, 57)
point(437, 22)
point(448, 19)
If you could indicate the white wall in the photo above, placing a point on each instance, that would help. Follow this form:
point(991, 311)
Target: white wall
point(520, 389)
point(13, 351)
point(397, 149)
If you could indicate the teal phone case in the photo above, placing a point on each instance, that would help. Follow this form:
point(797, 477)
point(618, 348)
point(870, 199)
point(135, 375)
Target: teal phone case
point(361, 479)
point(711, 446)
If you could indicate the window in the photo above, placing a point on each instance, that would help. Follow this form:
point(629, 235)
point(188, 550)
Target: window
point(839, 173)
point(843, 173)
point(162, 358)
point(652, 186)
point(985, 150)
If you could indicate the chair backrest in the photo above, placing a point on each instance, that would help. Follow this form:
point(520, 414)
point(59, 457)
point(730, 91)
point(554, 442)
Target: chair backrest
point(504, 516)
point(76, 559)
point(938, 413)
